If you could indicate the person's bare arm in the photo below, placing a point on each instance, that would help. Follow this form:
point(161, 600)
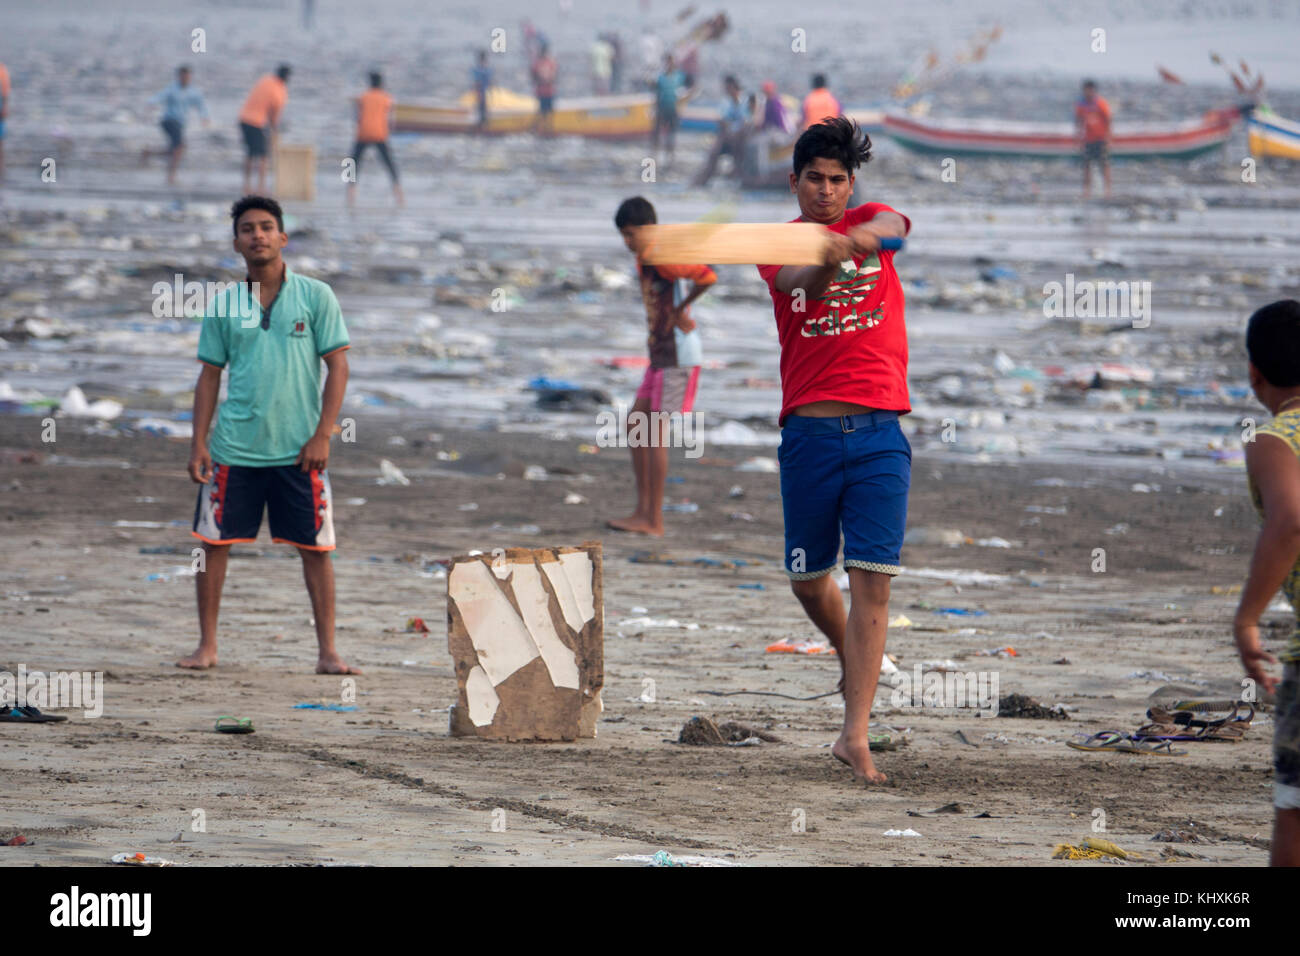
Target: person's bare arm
point(680, 318)
point(1276, 472)
point(886, 225)
point(316, 453)
point(206, 391)
point(815, 279)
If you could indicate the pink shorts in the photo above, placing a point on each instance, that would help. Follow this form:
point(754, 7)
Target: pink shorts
point(670, 389)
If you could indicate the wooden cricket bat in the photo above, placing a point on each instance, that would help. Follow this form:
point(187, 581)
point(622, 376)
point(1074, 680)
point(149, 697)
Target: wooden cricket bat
point(719, 243)
point(747, 243)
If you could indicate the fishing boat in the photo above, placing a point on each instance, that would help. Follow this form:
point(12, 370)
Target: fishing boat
point(1270, 135)
point(627, 116)
point(1025, 140)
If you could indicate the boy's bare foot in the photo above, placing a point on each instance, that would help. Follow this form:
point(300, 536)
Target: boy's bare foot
point(334, 665)
point(200, 660)
point(637, 525)
point(857, 756)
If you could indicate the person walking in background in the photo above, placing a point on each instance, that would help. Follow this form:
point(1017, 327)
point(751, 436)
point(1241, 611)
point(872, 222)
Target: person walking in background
point(733, 128)
point(545, 71)
point(177, 100)
point(481, 77)
point(374, 111)
point(615, 62)
point(1092, 125)
point(775, 119)
point(668, 88)
point(819, 104)
point(4, 111)
point(602, 66)
point(260, 119)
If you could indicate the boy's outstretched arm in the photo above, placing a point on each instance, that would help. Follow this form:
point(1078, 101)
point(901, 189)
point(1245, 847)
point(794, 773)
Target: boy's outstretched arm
point(1275, 469)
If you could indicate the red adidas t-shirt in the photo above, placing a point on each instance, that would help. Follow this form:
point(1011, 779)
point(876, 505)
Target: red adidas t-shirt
point(851, 344)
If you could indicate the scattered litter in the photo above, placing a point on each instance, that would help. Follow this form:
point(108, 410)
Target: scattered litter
point(964, 739)
point(1162, 676)
point(800, 647)
point(765, 465)
point(925, 537)
point(663, 858)
point(535, 473)
point(752, 587)
point(354, 502)
point(341, 708)
point(1020, 705)
point(995, 543)
point(390, 474)
point(900, 620)
point(997, 652)
point(956, 577)
point(681, 507)
point(703, 732)
point(468, 506)
point(1091, 848)
point(1174, 835)
point(573, 498)
point(139, 859)
point(943, 666)
point(74, 404)
point(909, 832)
point(960, 611)
point(736, 492)
point(740, 516)
point(638, 624)
point(18, 840)
point(416, 625)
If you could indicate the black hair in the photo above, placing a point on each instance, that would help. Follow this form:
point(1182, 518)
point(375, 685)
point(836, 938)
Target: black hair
point(283, 72)
point(636, 211)
point(819, 80)
point(836, 137)
point(1273, 342)
point(182, 69)
point(1089, 85)
point(376, 79)
point(242, 206)
point(730, 78)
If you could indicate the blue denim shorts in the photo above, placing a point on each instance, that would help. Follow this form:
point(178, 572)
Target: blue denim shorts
point(848, 475)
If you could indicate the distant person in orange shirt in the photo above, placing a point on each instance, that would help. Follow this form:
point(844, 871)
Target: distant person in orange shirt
point(819, 104)
point(259, 120)
point(4, 111)
point(374, 107)
point(1092, 124)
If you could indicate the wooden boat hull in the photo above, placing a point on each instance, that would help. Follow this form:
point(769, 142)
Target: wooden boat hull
point(1019, 140)
point(1270, 135)
point(604, 117)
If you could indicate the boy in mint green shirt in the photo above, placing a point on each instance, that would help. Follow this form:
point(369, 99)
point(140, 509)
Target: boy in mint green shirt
point(270, 446)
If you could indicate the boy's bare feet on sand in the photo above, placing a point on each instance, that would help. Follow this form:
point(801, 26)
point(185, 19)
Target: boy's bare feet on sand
point(334, 665)
point(637, 525)
point(200, 660)
point(858, 756)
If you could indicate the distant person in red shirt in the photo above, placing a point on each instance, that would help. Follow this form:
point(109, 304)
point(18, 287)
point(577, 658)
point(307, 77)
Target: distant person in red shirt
point(374, 107)
point(259, 120)
point(4, 111)
point(845, 463)
point(545, 71)
point(819, 104)
point(1092, 124)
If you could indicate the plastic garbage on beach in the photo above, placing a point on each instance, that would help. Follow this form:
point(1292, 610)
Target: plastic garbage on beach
point(997, 652)
point(75, 405)
point(390, 474)
point(942, 537)
point(341, 708)
point(763, 465)
point(909, 832)
point(681, 507)
point(664, 858)
point(800, 647)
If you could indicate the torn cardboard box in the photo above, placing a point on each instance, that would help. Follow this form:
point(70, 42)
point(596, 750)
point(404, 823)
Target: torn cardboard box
point(525, 628)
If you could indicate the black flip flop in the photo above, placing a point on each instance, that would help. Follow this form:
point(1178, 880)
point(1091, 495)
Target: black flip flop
point(28, 715)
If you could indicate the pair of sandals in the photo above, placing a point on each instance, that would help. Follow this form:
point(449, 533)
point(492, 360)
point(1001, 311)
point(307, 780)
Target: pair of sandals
point(1187, 725)
point(27, 715)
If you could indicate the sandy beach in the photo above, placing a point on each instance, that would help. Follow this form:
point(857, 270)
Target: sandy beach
point(1071, 435)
